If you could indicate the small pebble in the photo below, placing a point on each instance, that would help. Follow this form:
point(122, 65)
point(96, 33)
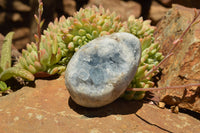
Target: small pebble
point(101, 70)
point(161, 105)
point(174, 109)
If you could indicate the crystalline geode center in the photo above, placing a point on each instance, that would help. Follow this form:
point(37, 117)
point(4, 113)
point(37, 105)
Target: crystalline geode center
point(102, 69)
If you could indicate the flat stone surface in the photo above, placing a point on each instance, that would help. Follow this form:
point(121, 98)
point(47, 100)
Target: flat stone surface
point(184, 66)
point(48, 108)
point(102, 69)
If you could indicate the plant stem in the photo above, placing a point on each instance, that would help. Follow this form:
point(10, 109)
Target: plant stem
point(183, 34)
point(39, 28)
point(162, 88)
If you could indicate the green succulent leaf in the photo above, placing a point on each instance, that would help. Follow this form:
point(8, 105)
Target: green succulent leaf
point(1, 69)
point(56, 69)
point(16, 72)
point(3, 86)
point(6, 51)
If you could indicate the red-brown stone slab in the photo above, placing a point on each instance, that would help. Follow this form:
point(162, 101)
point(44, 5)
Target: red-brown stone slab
point(48, 108)
point(184, 66)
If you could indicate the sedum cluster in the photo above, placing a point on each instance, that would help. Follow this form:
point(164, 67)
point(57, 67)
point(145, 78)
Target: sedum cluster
point(150, 56)
point(65, 36)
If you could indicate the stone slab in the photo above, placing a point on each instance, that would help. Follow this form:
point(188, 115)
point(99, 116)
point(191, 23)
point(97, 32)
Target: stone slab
point(184, 66)
point(48, 108)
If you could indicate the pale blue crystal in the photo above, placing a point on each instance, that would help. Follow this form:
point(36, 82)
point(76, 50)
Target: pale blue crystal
point(102, 69)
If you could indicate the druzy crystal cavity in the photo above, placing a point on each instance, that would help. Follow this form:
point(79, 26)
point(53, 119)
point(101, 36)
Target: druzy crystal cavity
point(101, 70)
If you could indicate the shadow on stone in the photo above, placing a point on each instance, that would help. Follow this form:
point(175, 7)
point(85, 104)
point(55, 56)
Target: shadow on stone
point(119, 106)
point(46, 76)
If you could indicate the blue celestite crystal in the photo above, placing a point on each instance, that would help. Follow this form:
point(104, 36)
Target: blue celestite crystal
point(102, 69)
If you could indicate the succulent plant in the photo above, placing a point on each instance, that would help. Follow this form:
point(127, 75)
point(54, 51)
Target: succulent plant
point(6, 71)
point(65, 36)
point(62, 38)
point(149, 59)
point(88, 24)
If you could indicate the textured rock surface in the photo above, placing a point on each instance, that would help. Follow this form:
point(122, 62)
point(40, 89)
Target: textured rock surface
point(184, 66)
point(123, 8)
point(157, 11)
point(102, 69)
point(48, 108)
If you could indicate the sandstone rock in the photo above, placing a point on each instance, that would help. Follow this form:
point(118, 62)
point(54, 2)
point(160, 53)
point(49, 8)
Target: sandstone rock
point(124, 9)
point(48, 108)
point(167, 3)
point(183, 67)
point(21, 37)
point(19, 6)
point(69, 6)
point(102, 69)
point(16, 17)
point(157, 11)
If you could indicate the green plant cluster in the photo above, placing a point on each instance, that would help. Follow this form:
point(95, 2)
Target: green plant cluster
point(65, 36)
point(6, 71)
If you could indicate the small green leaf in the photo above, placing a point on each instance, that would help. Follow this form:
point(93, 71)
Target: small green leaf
point(23, 62)
point(32, 69)
point(36, 19)
point(56, 69)
point(41, 7)
point(54, 45)
point(6, 51)
point(36, 38)
point(146, 42)
point(139, 95)
point(58, 55)
point(44, 57)
point(41, 23)
point(1, 70)
point(38, 66)
point(3, 86)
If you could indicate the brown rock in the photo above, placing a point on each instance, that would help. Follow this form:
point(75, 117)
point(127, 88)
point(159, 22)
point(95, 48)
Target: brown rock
point(19, 6)
point(16, 17)
point(49, 108)
point(167, 3)
point(21, 37)
point(183, 67)
point(69, 6)
point(122, 8)
point(157, 11)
